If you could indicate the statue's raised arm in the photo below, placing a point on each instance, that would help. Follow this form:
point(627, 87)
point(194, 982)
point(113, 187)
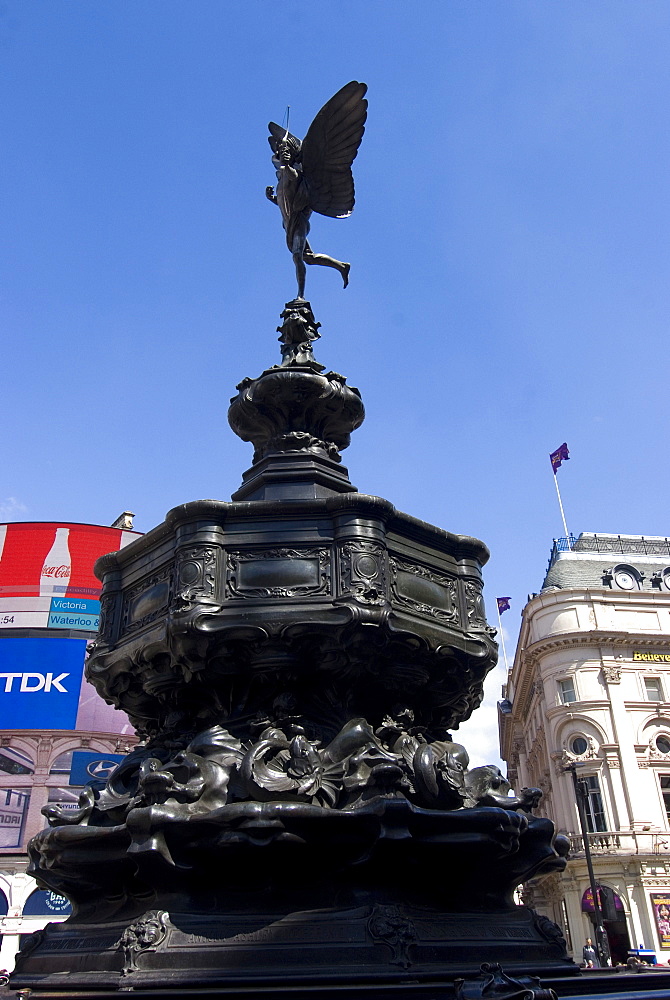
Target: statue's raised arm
point(315, 175)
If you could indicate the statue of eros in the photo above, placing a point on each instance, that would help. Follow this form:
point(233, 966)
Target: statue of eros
point(315, 175)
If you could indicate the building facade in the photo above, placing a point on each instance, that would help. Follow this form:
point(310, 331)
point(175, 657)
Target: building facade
point(590, 687)
point(56, 733)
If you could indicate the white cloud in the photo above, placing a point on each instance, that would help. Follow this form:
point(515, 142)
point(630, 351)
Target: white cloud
point(11, 508)
point(479, 734)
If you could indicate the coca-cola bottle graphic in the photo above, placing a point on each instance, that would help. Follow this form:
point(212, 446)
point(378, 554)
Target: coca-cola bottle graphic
point(55, 575)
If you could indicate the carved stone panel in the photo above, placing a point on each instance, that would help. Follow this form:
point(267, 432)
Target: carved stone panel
point(425, 591)
point(278, 572)
point(388, 924)
point(147, 600)
point(363, 571)
point(196, 575)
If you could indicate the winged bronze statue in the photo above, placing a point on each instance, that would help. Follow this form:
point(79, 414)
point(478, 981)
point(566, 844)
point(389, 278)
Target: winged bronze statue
point(315, 175)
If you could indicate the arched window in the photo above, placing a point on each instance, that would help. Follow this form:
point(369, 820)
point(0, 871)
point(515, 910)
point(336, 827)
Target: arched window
point(62, 763)
point(43, 902)
point(4, 905)
point(13, 761)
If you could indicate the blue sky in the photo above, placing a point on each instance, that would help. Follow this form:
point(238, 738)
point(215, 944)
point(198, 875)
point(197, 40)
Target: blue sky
point(509, 284)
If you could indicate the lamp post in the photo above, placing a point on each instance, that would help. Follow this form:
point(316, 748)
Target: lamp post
point(581, 795)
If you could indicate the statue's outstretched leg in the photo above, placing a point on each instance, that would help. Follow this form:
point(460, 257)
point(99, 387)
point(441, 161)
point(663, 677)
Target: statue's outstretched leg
point(300, 273)
point(321, 258)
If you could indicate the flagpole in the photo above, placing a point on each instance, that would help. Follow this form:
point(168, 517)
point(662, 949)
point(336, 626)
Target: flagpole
point(560, 504)
point(502, 638)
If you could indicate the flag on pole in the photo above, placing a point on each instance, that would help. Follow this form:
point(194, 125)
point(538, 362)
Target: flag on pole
point(559, 456)
point(503, 604)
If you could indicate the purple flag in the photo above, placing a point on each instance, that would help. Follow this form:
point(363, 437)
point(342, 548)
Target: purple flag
point(503, 604)
point(559, 456)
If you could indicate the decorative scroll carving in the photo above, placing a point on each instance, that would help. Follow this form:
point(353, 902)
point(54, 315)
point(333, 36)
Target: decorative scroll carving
point(31, 942)
point(279, 572)
point(107, 616)
point(145, 934)
point(493, 981)
point(195, 575)
point(425, 591)
point(390, 926)
point(474, 605)
point(363, 571)
point(550, 931)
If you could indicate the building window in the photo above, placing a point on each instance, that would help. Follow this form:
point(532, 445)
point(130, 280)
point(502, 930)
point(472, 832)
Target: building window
point(566, 688)
point(62, 763)
point(579, 746)
point(663, 744)
point(653, 689)
point(627, 578)
point(595, 811)
point(665, 792)
point(15, 762)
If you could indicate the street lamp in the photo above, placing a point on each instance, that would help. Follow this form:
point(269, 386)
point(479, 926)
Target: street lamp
point(581, 795)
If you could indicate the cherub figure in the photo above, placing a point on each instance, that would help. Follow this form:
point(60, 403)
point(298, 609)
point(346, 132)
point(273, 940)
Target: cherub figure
point(315, 175)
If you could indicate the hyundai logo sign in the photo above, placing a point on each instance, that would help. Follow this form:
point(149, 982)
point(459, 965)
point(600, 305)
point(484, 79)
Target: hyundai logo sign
point(102, 769)
point(89, 767)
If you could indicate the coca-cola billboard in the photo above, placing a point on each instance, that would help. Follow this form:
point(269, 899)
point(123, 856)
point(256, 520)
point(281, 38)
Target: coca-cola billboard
point(47, 583)
point(46, 573)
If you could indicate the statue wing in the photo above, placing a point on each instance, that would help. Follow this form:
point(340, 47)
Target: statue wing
point(329, 149)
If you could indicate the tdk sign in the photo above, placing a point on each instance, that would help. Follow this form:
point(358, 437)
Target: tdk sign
point(34, 682)
point(40, 682)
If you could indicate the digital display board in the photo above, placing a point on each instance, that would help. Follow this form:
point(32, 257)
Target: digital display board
point(40, 682)
point(46, 573)
point(42, 686)
point(47, 582)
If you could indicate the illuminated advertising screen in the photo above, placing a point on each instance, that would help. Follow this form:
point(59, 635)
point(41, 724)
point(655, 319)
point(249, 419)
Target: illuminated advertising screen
point(42, 686)
point(46, 573)
point(47, 582)
point(40, 682)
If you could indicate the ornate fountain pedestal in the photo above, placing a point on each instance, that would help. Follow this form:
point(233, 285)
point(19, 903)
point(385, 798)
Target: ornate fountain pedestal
point(300, 817)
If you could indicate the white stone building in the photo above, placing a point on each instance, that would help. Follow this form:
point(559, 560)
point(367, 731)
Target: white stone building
point(590, 684)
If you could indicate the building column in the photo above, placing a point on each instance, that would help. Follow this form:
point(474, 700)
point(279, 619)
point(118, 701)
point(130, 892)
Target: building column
point(633, 790)
point(639, 929)
point(35, 821)
point(10, 944)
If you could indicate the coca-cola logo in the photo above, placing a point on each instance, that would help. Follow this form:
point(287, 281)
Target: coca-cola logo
point(56, 571)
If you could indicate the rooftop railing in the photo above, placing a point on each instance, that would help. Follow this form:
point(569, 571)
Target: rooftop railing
point(616, 545)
